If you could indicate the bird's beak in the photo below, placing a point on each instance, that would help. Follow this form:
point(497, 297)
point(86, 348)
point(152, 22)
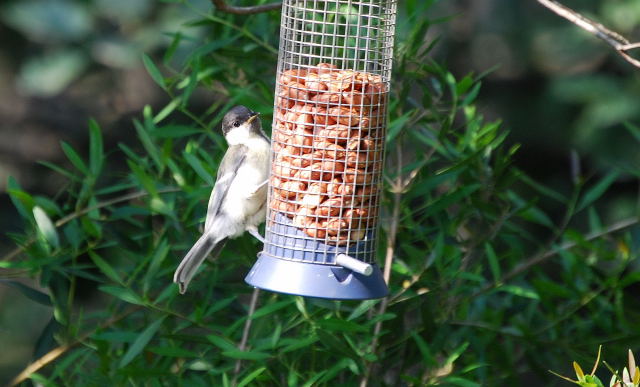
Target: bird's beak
point(254, 115)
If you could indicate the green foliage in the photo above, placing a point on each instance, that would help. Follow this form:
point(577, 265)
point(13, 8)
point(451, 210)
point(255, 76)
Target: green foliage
point(486, 285)
point(630, 376)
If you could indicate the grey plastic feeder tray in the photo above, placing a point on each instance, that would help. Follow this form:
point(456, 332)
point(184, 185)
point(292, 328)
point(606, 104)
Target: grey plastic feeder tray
point(302, 273)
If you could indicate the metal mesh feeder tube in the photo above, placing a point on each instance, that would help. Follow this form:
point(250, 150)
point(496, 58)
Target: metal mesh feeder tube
point(329, 126)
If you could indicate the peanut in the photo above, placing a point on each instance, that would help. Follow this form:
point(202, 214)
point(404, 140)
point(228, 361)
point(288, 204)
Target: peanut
point(327, 147)
point(334, 133)
point(345, 115)
point(325, 68)
point(285, 207)
point(292, 75)
point(336, 225)
point(358, 176)
point(315, 230)
point(291, 189)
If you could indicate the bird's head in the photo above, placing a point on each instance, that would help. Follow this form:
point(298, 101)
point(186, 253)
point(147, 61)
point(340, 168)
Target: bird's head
point(240, 124)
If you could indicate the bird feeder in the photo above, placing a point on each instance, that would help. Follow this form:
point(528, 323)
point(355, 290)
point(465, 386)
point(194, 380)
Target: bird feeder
point(330, 115)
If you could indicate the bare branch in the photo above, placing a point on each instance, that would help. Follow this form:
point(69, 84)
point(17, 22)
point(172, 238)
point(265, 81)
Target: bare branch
point(615, 40)
point(62, 221)
point(245, 332)
point(222, 6)
point(545, 255)
point(61, 350)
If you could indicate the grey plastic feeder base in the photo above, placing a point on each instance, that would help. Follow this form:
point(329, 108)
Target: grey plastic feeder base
point(315, 280)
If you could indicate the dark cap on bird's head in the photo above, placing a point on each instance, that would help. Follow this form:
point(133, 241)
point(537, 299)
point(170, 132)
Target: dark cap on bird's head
point(240, 115)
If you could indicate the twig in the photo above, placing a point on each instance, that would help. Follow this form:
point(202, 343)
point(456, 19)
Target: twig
point(222, 6)
point(541, 257)
point(245, 332)
point(398, 187)
point(614, 39)
point(61, 350)
point(62, 221)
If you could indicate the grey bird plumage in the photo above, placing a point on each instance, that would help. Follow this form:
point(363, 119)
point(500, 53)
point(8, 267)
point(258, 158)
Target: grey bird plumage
point(238, 200)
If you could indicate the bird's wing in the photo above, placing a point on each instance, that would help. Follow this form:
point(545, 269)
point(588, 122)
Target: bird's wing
point(227, 171)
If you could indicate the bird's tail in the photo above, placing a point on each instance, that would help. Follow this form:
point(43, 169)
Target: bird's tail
point(191, 262)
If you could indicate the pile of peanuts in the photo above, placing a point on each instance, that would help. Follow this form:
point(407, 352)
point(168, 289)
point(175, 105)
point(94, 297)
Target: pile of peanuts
point(328, 142)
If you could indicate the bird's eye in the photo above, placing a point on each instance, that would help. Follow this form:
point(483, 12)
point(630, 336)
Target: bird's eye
point(236, 123)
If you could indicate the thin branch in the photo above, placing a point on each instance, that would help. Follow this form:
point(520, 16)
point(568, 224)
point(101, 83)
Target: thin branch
point(541, 257)
point(245, 332)
point(62, 221)
point(61, 350)
point(222, 6)
point(398, 187)
point(612, 38)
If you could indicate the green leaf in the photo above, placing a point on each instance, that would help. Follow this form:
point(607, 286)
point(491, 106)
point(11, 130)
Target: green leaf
point(146, 181)
point(193, 81)
point(335, 324)
point(494, 265)
point(30, 293)
point(90, 227)
point(21, 200)
point(595, 192)
point(268, 309)
point(105, 268)
point(462, 382)
point(164, 113)
point(75, 158)
point(160, 253)
point(74, 234)
point(46, 341)
point(396, 126)
point(249, 378)
point(361, 309)
point(172, 352)
point(96, 151)
point(221, 343)
point(141, 341)
point(175, 131)
point(46, 227)
point(148, 144)
point(124, 294)
point(246, 355)
point(427, 357)
point(153, 71)
point(175, 42)
point(579, 372)
point(520, 291)
point(312, 381)
point(116, 336)
point(300, 343)
point(197, 166)
point(60, 170)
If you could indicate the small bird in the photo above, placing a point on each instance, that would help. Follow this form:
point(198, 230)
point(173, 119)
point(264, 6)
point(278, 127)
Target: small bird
point(238, 200)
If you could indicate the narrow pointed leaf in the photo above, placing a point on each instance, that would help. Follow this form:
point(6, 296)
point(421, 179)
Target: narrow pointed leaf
point(96, 150)
point(595, 192)
point(104, 267)
point(141, 342)
point(153, 71)
point(249, 378)
point(74, 157)
point(579, 372)
point(29, 292)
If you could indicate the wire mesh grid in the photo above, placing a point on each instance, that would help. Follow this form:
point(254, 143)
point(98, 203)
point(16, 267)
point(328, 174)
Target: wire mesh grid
point(329, 128)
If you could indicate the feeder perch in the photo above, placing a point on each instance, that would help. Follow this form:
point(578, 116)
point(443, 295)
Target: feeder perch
point(330, 115)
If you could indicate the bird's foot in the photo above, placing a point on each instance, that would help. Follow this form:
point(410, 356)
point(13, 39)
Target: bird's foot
point(257, 188)
point(254, 231)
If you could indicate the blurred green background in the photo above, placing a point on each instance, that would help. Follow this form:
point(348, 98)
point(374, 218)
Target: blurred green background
point(561, 93)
